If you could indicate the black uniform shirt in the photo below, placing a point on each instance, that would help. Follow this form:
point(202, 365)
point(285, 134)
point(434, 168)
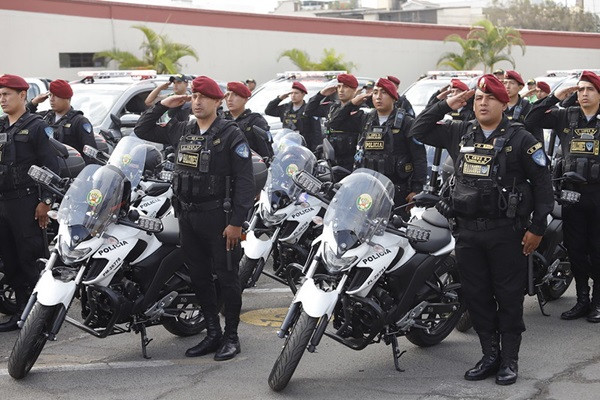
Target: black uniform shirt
point(350, 121)
point(308, 127)
point(519, 160)
point(245, 122)
point(232, 164)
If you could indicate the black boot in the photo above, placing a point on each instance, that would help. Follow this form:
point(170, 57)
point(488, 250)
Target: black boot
point(229, 348)
point(594, 314)
point(509, 368)
point(211, 342)
point(490, 362)
point(582, 307)
point(21, 297)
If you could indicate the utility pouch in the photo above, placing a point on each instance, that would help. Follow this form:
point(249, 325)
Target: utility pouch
point(465, 199)
point(525, 204)
point(204, 161)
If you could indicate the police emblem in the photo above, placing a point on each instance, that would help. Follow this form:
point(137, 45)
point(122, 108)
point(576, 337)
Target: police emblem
point(94, 197)
point(291, 169)
point(49, 131)
point(242, 150)
point(87, 127)
point(126, 159)
point(539, 157)
point(364, 202)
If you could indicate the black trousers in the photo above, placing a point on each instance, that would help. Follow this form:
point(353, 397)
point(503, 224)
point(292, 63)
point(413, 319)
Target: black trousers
point(21, 241)
point(204, 251)
point(581, 230)
point(493, 272)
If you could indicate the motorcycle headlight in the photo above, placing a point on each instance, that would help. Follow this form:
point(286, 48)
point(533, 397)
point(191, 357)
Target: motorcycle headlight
point(72, 255)
point(271, 219)
point(335, 264)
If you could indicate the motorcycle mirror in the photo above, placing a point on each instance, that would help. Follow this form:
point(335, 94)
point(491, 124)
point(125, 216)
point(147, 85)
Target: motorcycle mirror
point(307, 182)
point(171, 157)
point(116, 121)
point(574, 177)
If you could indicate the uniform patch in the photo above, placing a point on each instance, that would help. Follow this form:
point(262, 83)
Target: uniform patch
point(408, 167)
point(67, 125)
point(534, 148)
point(49, 131)
point(23, 132)
point(374, 136)
point(190, 147)
point(242, 150)
point(87, 127)
point(395, 130)
point(374, 145)
point(477, 159)
point(508, 149)
point(194, 138)
point(485, 146)
point(585, 131)
point(539, 157)
point(581, 146)
point(187, 159)
point(3, 138)
point(216, 142)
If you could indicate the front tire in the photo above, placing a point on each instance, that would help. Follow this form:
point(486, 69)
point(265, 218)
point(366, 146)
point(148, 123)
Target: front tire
point(561, 279)
point(31, 340)
point(292, 351)
point(247, 268)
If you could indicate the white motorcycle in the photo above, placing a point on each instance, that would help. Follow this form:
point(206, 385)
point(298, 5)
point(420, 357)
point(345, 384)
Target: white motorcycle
point(126, 268)
point(375, 280)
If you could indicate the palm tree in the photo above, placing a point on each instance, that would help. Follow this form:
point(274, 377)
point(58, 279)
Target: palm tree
point(160, 53)
point(494, 43)
point(465, 61)
point(330, 61)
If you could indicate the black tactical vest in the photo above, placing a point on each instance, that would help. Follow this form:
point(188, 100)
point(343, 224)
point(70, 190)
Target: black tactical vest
point(582, 148)
point(291, 118)
point(343, 142)
point(12, 174)
point(61, 130)
point(378, 144)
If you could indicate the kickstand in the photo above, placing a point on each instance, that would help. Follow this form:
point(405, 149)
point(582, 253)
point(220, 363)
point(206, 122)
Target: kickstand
point(541, 301)
point(145, 340)
point(397, 352)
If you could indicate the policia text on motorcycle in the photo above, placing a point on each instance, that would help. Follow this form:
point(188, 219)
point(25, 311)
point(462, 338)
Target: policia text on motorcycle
point(501, 176)
point(65, 124)
point(578, 128)
point(214, 189)
point(23, 212)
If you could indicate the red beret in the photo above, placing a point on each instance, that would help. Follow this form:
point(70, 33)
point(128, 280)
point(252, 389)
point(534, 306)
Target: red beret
point(393, 79)
point(13, 82)
point(207, 87)
point(592, 78)
point(299, 86)
point(515, 76)
point(61, 89)
point(388, 86)
point(544, 87)
point(458, 84)
point(491, 85)
point(240, 89)
point(348, 80)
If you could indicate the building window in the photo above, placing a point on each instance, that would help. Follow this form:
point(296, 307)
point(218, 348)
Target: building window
point(80, 60)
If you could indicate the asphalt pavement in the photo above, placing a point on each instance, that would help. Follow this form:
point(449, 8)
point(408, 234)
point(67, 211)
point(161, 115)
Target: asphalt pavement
point(558, 360)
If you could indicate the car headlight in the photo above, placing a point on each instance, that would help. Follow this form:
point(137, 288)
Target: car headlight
point(72, 255)
point(335, 264)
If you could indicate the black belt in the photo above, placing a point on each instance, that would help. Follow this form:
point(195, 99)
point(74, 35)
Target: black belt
point(204, 206)
point(18, 193)
point(483, 224)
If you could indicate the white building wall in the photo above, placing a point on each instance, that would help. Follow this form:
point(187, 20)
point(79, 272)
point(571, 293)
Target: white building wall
point(237, 54)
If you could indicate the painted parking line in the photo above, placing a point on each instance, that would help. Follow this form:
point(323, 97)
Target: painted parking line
point(99, 366)
point(272, 290)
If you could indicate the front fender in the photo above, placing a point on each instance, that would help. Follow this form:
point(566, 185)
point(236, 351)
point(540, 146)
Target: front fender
point(51, 291)
point(256, 248)
point(316, 302)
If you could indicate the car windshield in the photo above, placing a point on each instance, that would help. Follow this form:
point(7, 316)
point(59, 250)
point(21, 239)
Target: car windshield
point(360, 207)
point(94, 101)
point(420, 92)
point(93, 199)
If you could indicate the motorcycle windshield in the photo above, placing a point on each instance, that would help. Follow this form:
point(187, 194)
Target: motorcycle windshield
point(280, 187)
point(287, 138)
point(93, 199)
point(130, 156)
point(360, 208)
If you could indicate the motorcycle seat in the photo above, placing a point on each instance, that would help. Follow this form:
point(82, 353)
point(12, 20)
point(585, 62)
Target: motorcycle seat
point(434, 217)
point(556, 211)
point(157, 188)
point(438, 237)
point(170, 232)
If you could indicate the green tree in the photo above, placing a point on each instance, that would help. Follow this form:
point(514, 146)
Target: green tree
point(522, 14)
point(485, 44)
point(331, 61)
point(159, 53)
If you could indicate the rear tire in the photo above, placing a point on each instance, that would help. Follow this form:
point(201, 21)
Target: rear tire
point(31, 340)
point(464, 323)
point(247, 268)
point(8, 301)
point(440, 330)
point(555, 289)
point(188, 322)
point(292, 351)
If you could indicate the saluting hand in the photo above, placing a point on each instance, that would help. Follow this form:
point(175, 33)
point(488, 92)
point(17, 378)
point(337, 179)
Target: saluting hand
point(360, 98)
point(284, 96)
point(176, 100)
point(41, 215)
point(232, 235)
point(565, 92)
point(328, 91)
point(444, 92)
point(460, 100)
point(40, 98)
point(530, 242)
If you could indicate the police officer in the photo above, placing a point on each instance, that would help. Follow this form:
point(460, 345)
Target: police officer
point(500, 178)
point(292, 115)
point(214, 189)
point(578, 129)
point(180, 86)
point(65, 124)
point(456, 87)
point(23, 212)
point(237, 96)
point(518, 107)
point(402, 103)
point(342, 129)
point(384, 145)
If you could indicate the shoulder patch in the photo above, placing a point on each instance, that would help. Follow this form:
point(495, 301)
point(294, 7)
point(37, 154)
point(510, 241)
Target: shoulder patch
point(242, 150)
point(49, 131)
point(539, 157)
point(534, 148)
point(87, 127)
